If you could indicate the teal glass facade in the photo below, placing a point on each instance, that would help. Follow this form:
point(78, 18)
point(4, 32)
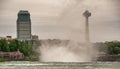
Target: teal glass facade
point(23, 25)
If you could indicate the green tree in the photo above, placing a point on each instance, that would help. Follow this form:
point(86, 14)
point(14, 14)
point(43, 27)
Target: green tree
point(14, 45)
point(4, 45)
point(117, 50)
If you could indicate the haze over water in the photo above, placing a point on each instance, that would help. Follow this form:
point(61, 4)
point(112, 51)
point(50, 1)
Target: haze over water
point(60, 65)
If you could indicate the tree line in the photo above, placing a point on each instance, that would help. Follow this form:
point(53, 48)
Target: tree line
point(111, 47)
point(14, 44)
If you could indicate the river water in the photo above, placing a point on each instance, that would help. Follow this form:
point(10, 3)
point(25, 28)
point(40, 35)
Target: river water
point(59, 65)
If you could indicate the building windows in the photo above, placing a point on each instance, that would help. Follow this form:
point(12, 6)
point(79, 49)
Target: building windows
point(24, 25)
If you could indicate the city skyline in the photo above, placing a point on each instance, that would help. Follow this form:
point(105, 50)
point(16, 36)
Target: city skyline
point(63, 19)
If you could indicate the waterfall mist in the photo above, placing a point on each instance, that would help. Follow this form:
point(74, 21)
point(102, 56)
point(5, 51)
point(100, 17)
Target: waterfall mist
point(66, 51)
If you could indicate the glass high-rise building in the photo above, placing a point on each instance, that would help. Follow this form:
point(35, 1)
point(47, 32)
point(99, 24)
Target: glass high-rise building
point(24, 25)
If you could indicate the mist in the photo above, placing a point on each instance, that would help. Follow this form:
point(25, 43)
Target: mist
point(66, 51)
point(63, 19)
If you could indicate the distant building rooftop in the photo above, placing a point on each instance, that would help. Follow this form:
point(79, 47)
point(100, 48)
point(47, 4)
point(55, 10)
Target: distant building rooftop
point(23, 16)
point(23, 12)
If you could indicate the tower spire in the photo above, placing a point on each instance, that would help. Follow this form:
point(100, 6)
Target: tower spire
point(87, 14)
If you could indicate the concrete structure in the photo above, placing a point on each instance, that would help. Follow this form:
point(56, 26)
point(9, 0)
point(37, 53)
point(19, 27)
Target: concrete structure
point(8, 37)
point(12, 55)
point(87, 14)
point(23, 25)
point(35, 37)
point(35, 40)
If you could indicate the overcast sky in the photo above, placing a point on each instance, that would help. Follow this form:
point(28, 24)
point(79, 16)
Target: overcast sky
point(63, 19)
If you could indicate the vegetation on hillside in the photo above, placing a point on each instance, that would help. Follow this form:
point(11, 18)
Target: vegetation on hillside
point(14, 45)
point(111, 47)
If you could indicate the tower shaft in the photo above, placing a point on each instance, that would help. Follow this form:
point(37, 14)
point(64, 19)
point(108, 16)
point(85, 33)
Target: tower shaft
point(87, 14)
point(87, 38)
